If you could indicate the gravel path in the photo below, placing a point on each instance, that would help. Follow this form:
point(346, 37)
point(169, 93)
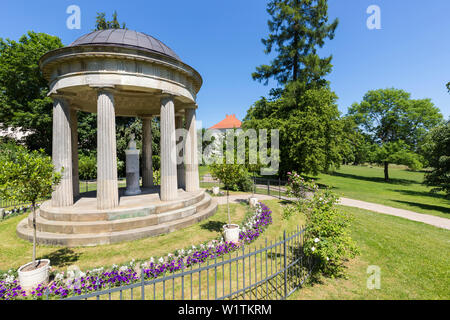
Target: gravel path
point(407, 214)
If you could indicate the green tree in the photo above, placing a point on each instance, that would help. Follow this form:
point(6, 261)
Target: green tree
point(23, 90)
point(356, 147)
point(102, 24)
point(27, 177)
point(229, 174)
point(437, 151)
point(297, 28)
point(310, 132)
point(390, 116)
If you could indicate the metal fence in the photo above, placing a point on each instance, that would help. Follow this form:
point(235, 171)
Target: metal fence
point(271, 272)
point(271, 187)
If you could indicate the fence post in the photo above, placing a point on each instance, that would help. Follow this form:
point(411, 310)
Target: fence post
point(142, 284)
point(279, 188)
point(268, 187)
point(285, 265)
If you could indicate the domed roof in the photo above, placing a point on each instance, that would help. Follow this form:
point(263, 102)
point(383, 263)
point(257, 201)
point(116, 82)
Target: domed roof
point(125, 38)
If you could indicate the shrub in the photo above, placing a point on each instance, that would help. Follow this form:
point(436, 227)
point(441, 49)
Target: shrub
point(327, 236)
point(156, 177)
point(87, 167)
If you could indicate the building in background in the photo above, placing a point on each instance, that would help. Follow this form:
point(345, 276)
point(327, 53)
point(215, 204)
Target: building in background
point(230, 122)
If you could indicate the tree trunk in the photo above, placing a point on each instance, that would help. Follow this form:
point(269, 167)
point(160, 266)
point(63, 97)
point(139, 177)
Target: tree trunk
point(386, 171)
point(228, 207)
point(34, 232)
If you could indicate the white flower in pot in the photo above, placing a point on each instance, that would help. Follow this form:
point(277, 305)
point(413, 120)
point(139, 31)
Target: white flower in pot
point(231, 233)
point(34, 273)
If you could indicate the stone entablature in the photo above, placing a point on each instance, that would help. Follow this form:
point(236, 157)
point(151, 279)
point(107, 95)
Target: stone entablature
point(76, 70)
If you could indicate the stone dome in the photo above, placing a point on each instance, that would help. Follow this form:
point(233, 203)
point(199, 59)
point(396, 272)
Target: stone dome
point(125, 38)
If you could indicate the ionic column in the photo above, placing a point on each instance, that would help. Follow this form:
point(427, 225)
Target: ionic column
point(168, 150)
point(74, 128)
point(147, 173)
point(181, 142)
point(107, 188)
point(191, 159)
point(62, 153)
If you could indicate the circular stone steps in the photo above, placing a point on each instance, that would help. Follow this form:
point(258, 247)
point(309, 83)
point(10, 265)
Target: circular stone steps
point(117, 227)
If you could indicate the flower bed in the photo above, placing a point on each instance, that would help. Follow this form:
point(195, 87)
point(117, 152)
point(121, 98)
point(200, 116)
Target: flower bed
point(17, 211)
point(77, 282)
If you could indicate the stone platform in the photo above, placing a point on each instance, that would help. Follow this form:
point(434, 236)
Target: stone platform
point(137, 217)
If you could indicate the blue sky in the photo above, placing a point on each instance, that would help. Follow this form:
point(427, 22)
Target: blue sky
point(222, 40)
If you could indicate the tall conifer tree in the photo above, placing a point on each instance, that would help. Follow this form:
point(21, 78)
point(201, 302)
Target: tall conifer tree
point(297, 29)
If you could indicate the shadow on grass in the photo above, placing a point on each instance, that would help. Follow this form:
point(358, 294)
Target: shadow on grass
point(373, 179)
point(426, 206)
point(213, 226)
point(423, 194)
point(62, 257)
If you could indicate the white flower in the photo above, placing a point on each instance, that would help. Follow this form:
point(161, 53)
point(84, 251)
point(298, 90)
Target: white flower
point(70, 274)
point(123, 268)
point(161, 260)
point(59, 277)
point(82, 274)
point(114, 266)
point(9, 279)
point(152, 260)
point(194, 247)
point(313, 249)
point(328, 259)
point(316, 240)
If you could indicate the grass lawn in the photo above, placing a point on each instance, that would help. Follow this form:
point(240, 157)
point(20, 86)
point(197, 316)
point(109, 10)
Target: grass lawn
point(413, 257)
point(405, 190)
point(15, 252)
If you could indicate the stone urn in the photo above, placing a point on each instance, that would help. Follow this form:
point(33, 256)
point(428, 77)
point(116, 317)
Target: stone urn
point(216, 191)
point(30, 277)
point(231, 233)
point(253, 202)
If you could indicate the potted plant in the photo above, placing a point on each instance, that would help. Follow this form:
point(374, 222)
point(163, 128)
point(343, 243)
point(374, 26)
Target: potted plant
point(229, 175)
point(27, 177)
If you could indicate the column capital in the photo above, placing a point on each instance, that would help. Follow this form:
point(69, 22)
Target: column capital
point(110, 88)
point(59, 97)
point(190, 106)
point(166, 96)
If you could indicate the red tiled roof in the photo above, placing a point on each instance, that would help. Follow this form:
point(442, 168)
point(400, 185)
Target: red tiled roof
point(229, 122)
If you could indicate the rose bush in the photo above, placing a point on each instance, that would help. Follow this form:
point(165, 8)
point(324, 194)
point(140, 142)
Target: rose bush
point(327, 235)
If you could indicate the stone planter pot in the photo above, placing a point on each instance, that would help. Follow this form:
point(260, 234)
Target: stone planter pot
point(231, 233)
point(216, 190)
point(253, 202)
point(31, 279)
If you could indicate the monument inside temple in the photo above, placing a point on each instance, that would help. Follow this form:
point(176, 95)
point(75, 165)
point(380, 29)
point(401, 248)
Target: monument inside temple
point(132, 168)
point(129, 74)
